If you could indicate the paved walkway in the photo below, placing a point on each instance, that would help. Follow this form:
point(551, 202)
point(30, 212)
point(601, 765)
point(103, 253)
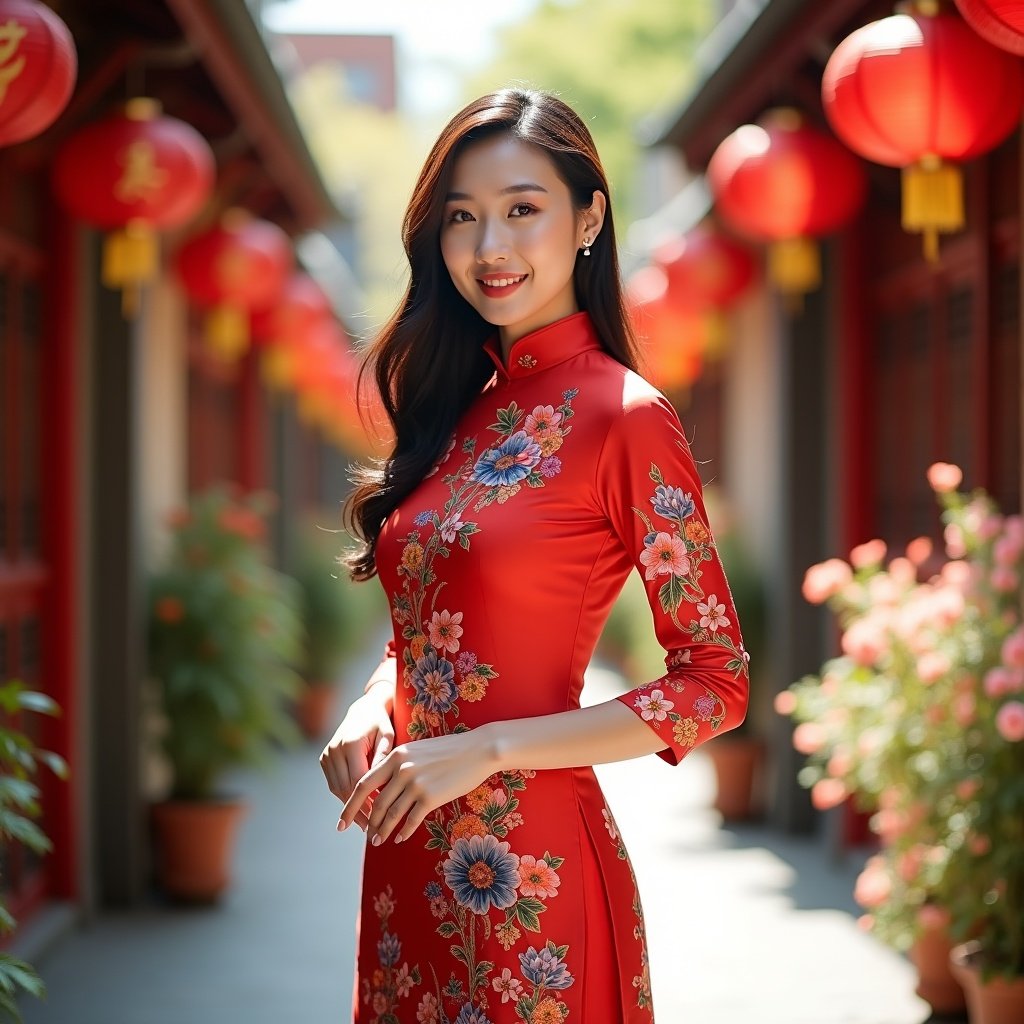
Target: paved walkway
point(743, 925)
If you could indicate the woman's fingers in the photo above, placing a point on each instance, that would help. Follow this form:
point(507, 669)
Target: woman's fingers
point(372, 780)
point(384, 821)
point(413, 820)
point(330, 770)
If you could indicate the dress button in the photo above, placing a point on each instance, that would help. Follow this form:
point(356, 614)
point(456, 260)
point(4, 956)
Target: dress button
point(528, 361)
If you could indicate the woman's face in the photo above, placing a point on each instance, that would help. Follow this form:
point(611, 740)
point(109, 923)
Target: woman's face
point(510, 235)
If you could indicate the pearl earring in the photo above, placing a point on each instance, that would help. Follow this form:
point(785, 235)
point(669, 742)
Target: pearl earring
point(586, 247)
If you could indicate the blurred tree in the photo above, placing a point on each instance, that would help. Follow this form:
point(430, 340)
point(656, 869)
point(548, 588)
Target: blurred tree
point(614, 61)
point(370, 158)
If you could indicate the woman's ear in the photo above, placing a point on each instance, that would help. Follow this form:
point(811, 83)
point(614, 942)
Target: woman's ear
point(593, 217)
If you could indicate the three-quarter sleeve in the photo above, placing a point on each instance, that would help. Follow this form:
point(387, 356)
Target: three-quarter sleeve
point(648, 487)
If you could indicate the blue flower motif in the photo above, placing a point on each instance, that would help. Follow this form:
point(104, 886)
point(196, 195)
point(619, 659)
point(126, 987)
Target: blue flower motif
point(434, 680)
point(422, 518)
point(509, 462)
point(649, 539)
point(671, 503)
point(471, 1015)
point(544, 968)
point(551, 466)
point(482, 873)
point(389, 949)
point(433, 890)
point(570, 394)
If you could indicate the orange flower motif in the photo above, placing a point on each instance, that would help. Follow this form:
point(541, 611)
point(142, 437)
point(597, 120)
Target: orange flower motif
point(478, 798)
point(696, 532)
point(507, 935)
point(537, 878)
point(416, 645)
point(547, 1012)
point(412, 557)
point(473, 687)
point(550, 443)
point(685, 732)
point(468, 825)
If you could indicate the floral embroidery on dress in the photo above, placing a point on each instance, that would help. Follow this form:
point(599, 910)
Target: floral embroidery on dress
point(678, 551)
point(390, 983)
point(482, 885)
point(641, 981)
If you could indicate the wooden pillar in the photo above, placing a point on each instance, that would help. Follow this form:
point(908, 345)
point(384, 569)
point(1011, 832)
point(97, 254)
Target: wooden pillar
point(118, 603)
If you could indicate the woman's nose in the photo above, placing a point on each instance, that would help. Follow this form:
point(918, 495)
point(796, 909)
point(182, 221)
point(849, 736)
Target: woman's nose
point(493, 242)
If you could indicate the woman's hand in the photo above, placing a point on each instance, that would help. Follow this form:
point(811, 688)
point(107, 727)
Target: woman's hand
point(365, 735)
point(418, 777)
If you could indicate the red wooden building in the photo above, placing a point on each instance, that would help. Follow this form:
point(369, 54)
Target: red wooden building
point(107, 424)
point(822, 422)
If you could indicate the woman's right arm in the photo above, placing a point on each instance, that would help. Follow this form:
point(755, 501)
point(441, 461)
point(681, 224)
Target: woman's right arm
point(365, 735)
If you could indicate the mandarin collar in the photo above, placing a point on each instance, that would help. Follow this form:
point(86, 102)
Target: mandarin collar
point(545, 347)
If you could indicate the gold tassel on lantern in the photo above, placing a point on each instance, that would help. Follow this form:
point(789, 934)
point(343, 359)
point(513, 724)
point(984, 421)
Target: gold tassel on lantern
point(794, 266)
point(130, 259)
point(226, 329)
point(278, 367)
point(933, 201)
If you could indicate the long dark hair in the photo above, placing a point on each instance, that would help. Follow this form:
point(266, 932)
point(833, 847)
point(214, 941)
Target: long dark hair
point(428, 361)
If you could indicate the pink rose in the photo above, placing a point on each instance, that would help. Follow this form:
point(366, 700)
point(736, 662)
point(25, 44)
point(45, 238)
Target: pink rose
point(903, 571)
point(864, 641)
point(1000, 681)
point(944, 477)
point(1010, 721)
point(808, 737)
point(964, 710)
point(957, 574)
point(870, 553)
point(873, 886)
point(932, 666)
point(828, 793)
point(1004, 580)
point(1013, 527)
point(966, 788)
point(1006, 551)
point(1013, 649)
point(954, 538)
point(991, 526)
point(785, 702)
point(919, 550)
point(839, 764)
point(825, 580)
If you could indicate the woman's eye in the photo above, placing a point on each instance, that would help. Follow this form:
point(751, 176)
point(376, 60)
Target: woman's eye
point(459, 217)
point(522, 210)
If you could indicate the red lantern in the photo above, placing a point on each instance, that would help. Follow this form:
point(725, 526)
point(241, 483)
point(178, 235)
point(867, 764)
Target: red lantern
point(707, 273)
point(915, 91)
point(302, 304)
point(238, 266)
point(671, 338)
point(783, 182)
point(1001, 22)
point(38, 65)
point(134, 171)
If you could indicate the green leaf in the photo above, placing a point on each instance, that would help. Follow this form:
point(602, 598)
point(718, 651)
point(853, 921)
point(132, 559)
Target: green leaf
point(671, 594)
point(656, 474)
point(528, 909)
point(446, 929)
point(459, 952)
point(464, 541)
point(535, 479)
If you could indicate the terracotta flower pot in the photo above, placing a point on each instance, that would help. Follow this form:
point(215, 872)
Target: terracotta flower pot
point(999, 1001)
point(313, 709)
point(736, 760)
point(195, 843)
point(935, 982)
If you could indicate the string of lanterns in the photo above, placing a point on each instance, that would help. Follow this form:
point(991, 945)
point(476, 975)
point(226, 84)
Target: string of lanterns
point(924, 90)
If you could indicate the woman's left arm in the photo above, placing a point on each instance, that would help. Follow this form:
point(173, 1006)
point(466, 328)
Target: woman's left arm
point(422, 775)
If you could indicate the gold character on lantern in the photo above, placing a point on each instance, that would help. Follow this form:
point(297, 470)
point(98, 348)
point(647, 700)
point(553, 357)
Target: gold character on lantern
point(141, 176)
point(11, 65)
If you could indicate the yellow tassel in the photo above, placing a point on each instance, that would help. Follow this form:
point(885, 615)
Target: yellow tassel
point(794, 265)
point(226, 329)
point(130, 259)
point(933, 201)
point(716, 332)
point(278, 367)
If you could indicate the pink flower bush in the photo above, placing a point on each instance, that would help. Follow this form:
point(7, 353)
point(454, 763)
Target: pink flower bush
point(919, 720)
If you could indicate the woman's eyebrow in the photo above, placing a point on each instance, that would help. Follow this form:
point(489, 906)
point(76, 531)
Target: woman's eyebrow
point(526, 186)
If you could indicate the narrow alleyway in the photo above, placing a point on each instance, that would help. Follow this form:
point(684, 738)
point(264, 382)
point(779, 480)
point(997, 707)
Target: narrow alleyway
point(743, 924)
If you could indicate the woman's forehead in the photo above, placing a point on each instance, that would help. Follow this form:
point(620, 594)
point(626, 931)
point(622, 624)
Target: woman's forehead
point(502, 165)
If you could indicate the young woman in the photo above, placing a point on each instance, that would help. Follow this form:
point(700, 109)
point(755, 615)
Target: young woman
point(532, 469)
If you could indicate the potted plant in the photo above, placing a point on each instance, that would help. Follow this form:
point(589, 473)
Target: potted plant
point(921, 722)
point(224, 632)
point(19, 804)
point(335, 614)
